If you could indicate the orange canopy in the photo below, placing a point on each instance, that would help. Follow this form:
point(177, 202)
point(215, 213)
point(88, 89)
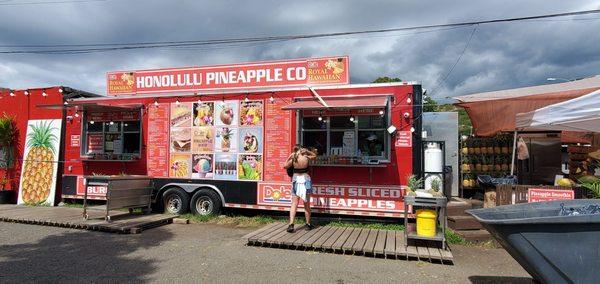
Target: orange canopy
point(494, 112)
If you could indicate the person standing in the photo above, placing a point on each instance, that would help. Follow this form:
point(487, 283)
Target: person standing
point(299, 161)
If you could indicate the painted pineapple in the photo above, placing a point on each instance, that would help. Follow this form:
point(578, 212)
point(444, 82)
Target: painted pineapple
point(39, 165)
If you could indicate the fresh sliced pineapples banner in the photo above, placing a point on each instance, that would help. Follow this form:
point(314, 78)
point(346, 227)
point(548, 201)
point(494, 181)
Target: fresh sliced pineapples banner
point(39, 165)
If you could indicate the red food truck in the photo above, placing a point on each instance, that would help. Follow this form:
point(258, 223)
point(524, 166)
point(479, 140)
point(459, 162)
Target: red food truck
point(218, 136)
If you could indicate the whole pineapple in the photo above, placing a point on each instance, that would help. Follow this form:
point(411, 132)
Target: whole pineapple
point(39, 163)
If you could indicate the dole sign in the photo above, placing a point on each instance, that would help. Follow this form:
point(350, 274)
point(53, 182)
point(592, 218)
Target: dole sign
point(301, 72)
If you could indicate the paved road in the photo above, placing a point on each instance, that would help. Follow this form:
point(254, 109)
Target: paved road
point(211, 253)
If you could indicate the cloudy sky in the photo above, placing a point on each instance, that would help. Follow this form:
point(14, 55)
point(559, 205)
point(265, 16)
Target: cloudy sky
point(499, 56)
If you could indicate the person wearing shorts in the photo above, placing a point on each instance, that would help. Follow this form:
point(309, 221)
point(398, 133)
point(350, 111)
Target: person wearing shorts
point(301, 183)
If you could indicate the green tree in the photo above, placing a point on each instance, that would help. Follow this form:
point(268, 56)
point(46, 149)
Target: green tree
point(430, 105)
point(387, 79)
point(7, 137)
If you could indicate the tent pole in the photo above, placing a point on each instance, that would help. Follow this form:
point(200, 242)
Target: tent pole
point(514, 151)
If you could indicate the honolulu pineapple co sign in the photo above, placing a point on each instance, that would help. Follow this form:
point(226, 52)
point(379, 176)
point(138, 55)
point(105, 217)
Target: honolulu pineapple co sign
point(314, 71)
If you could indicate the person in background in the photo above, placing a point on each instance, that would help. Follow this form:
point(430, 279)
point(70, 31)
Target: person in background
point(372, 147)
point(301, 183)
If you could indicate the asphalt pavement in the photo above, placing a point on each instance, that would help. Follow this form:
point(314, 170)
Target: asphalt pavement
point(217, 254)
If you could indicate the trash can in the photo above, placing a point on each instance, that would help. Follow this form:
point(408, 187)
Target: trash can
point(551, 247)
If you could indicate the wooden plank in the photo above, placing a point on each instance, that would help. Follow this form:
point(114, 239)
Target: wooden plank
point(401, 245)
point(422, 251)
point(300, 241)
point(253, 233)
point(280, 240)
point(276, 230)
point(435, 253)
point(411, 250)
point(319, 243)
point(290, 241)
point(349, 243)
point(447, 254)
point(273, 239)
point(370, 243)
point(339, 243)
point(390, 244)
point(334, 237)
point(266, 232)
point(310, 242)
point(380, 243)
point(360, 241)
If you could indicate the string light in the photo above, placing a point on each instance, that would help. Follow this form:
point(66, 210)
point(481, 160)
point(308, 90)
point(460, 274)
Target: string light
point(412, 129)
point(352, 118)
point(91, 122)
point(271, 99)
point(155, 103)
point(408, 100)
point(177, 102)
point(381, 112)
point(26, 92)
point(44, 93)
point(320, 118)
point(111, 123)
point(12, 94)
point(60, 90)
point(76, 114)
point(66, 103)
point(246, 99)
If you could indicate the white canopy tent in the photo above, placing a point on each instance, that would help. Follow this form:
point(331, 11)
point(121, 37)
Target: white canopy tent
point(579, 114)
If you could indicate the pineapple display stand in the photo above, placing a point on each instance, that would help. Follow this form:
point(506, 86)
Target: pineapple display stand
point(483, 156)
point(436, 203)
point(122, 192)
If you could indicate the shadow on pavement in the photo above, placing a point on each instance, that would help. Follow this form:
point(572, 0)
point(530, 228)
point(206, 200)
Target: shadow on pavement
point(499, 279)
point(81, 256)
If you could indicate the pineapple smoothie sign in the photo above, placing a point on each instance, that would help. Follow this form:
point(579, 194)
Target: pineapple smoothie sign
point(299, 72)
point(40, 165)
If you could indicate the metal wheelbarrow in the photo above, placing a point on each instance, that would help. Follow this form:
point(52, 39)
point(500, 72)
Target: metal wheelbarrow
point(551, 247)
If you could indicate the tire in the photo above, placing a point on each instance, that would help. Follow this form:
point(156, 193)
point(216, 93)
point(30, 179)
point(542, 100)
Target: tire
point(206, 202)
point(176, 201)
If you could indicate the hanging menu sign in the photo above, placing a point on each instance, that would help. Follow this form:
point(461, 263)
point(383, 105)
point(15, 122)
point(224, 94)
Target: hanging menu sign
point(278, 141)
point(158, 141)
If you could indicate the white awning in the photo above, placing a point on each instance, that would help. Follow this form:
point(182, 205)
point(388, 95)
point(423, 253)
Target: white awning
point(579, 114)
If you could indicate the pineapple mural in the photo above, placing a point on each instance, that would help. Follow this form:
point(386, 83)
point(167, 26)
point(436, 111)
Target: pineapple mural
point(39, 166)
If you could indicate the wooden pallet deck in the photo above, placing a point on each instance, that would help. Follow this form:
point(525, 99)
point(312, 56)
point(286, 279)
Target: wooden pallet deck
point(345, 240)
point(122, 222)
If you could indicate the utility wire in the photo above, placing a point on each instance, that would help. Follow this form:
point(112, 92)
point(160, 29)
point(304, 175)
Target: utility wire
point(100, 47)
point(441, 82)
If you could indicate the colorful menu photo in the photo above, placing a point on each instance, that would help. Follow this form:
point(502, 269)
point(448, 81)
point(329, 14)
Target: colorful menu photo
point(181, 115)
point(227, 113)
point(180, 165)
point(202, 166)
point(251, 113)
point(204, 113)
point(226, 139)
point(250, 167)
point(181, 140)
point(203, 139)
point(225, 166)
point(251, 140)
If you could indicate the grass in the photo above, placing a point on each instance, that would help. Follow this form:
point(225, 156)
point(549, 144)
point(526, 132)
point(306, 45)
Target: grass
point(230, 220)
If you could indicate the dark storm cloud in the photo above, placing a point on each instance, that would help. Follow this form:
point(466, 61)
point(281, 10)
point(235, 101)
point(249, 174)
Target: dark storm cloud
point(499, 56)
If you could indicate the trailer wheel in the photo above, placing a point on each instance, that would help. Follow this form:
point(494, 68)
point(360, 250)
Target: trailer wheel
point(206, 202)
point(176, 201)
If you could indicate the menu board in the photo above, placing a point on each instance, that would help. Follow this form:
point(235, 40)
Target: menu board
point(95, 141)
point(278, 141)
point(158, 142)
point(215, 140)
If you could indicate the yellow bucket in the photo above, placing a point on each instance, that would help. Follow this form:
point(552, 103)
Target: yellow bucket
point(426, 222)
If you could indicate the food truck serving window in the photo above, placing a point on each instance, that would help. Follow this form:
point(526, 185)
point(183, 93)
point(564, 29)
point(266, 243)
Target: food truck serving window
point(346, 136)
point(114, 135)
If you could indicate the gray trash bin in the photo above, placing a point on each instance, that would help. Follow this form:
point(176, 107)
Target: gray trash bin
point(552, 248)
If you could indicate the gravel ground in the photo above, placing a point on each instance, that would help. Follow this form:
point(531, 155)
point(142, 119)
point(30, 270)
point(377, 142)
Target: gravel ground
point(212, 253)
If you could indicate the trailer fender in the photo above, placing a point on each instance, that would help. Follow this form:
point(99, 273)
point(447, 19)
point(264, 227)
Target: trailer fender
point(191, 188)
